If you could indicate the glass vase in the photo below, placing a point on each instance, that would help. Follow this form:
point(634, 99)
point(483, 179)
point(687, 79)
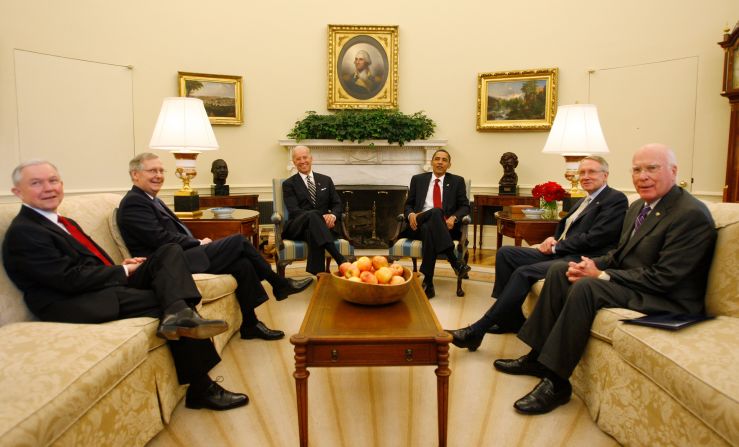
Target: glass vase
point(550, 209)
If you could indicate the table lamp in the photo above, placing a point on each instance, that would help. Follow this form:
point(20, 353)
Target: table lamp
point(575, 134)
point(183, 129)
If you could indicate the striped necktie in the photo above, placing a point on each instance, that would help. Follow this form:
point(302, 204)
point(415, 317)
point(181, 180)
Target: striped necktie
point(641, 217)
point(311, 190)
point(584, 204)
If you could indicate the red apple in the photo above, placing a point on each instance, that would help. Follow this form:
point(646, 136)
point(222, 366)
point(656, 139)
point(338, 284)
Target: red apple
point(397, 269)
point(368, 278)
point(343, 268)
point(364, 263)
point(384, 275)
point(396, 280)
point(354, 279)
point(352, 271)
point(379, 261)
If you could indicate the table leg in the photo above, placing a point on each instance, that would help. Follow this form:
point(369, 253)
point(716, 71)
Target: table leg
point(301, 387)
point(499, 240)
point(442, 390)
point(474, 227)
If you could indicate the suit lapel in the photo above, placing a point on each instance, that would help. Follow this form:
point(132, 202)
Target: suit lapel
point(51, 226)
point(423, 188)
point(653, 219)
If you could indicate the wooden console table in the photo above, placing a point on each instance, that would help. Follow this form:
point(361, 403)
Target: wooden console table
point(522, 228)
point(244, 222)
point(482, 201)
point(338, 333)
point(238, 201)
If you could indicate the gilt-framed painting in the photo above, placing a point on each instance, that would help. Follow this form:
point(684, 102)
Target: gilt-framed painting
point(517, 100)
point(362, 66)
point(221, 95)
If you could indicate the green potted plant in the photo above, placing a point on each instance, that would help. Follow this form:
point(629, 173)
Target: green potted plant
point(361, 125)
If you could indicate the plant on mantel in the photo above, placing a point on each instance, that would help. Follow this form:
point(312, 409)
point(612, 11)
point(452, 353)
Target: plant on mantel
point(360, 125)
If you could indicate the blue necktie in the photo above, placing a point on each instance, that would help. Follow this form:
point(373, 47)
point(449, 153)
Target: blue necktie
point(641, 217)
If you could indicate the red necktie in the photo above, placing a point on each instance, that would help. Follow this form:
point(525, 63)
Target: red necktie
point(82, 239)
point(437, 194)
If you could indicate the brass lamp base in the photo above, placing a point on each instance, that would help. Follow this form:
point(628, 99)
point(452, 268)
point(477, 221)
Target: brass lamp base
point(572, 163)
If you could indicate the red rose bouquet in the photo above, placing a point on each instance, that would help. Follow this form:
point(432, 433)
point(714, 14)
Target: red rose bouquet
point(549, 191)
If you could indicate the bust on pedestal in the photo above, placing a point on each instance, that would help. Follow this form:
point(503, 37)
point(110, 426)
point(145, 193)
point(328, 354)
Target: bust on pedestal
point(219, 168)
point(508, 184)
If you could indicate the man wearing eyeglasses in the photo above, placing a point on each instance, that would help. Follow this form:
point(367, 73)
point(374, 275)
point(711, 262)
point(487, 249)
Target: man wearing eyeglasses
point(591, 228)
point(146, 224)
point(660, 265)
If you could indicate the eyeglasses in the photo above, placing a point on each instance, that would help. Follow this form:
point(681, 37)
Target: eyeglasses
point(649, 169)
point(589, 172)
point(154, 171)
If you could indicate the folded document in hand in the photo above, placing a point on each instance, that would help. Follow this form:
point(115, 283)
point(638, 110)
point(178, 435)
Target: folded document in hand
point(667, 320)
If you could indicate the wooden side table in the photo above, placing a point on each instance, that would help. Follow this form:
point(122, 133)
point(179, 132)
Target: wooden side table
point(482, 201)
point(238, 201)
point(244, 222)
point(338, 333)
point(533, 231)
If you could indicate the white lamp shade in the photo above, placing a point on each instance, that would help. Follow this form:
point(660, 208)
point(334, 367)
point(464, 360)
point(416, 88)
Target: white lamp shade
point(576, 131)
point(183, 126)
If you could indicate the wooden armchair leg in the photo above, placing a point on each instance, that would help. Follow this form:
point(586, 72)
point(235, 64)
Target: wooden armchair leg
point(328, 264)
point(415, 264)
point(460, 292)
point(281, 268)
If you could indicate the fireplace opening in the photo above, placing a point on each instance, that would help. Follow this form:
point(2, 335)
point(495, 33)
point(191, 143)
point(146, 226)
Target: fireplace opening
point(371, 213)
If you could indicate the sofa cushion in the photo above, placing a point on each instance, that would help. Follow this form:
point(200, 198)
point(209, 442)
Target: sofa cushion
point(52, 387)
point(684, 364)
point(214, 287)
point(722, 297)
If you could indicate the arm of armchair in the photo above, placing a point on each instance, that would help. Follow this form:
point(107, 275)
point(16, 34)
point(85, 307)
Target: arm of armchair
point(276, 219)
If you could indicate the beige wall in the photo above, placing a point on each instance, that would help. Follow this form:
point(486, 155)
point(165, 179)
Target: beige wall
point(280, 48)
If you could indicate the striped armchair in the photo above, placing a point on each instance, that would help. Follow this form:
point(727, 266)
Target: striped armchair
point(410, 248)
point(290, 250)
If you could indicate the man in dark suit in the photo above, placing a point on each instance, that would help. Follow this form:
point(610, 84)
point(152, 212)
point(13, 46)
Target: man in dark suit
point(437, 202)
point(591, 228)
point(660, 265)
point(146, 224)
point(314, 210)
point(65, 276)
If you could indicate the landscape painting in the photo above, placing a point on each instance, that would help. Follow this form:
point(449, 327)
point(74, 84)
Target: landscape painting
point(517, 100)
point(221, 95)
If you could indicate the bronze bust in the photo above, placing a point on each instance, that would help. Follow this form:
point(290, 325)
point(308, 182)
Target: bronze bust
point(508, 184)
point(219, 169)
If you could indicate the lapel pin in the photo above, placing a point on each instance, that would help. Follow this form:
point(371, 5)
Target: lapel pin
point(658, 214)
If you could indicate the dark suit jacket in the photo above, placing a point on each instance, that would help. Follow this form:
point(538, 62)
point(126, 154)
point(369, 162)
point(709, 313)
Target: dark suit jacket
point(454, 200)
point(596, 230)
point(58, 274)
point(297, 200)
point(146, 227)
point(669, 256)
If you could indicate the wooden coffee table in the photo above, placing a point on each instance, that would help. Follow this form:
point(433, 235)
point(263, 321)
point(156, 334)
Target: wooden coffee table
point(338, 333)
point(522, 228)
point(244, 222)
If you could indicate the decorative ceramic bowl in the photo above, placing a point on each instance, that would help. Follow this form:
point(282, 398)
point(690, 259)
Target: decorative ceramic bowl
point(370, 294)
point(533, 213)
point(222, 212)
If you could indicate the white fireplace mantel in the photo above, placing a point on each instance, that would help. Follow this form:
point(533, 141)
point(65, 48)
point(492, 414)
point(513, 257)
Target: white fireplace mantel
point(372, 162)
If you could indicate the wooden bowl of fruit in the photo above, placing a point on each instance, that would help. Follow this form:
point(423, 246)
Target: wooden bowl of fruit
point(371, 282)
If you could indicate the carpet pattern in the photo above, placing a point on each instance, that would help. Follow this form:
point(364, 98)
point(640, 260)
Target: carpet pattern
point(380, 406)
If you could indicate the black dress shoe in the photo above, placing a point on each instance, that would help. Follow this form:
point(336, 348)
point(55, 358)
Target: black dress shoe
point(461, 269)
point(466, 338)
point(525, 366)
point(428, 289)
point(188, 323)
point(503, 329)
point(260, 330)
point(215, 397)
point(545, 397)
point(293, 286)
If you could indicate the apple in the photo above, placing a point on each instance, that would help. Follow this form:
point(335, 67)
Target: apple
point(384, 275)
point(379, 261)
point(351, 271)
point(363, 263)
point(396, 280)
point(344, 267)
point(354, 279)
point(368, 278)
point(397, 269)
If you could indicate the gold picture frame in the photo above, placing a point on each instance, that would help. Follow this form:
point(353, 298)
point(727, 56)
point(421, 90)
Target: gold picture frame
point(517, 100)
point(221, 95)
point(374, 83)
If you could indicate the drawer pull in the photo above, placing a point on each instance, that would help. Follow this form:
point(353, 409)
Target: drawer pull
point(334, 355)
point(409, 355)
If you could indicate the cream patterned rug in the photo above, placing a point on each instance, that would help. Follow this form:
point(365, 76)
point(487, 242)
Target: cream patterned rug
point(381, 406)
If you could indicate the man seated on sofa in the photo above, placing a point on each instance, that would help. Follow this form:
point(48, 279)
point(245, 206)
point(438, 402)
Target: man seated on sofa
point(65, 276)
point(437, 202)
point(660, 265)
point(591, 228)
point(146, 224)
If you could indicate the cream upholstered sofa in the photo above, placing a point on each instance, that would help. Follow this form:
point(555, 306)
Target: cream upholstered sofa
point(646, 386)
point(110, 384)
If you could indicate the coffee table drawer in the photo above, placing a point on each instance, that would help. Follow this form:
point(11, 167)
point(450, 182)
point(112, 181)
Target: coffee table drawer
point(372, 354)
